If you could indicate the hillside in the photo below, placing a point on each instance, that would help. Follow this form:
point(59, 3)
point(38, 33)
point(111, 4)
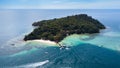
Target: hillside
point(57, 29)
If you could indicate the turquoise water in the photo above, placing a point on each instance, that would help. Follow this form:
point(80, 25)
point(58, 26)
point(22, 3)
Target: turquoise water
point(83, 51)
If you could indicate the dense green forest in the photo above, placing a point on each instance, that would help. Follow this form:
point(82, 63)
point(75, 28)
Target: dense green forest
point(58, 29)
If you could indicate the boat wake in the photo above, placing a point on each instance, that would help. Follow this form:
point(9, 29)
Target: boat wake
point(34, 65)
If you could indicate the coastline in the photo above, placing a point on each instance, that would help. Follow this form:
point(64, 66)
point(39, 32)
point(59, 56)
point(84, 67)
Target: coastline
point(70, 40)
point(43, 41)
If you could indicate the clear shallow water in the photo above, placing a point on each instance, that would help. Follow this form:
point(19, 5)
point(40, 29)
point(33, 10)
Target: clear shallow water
point(84, 51)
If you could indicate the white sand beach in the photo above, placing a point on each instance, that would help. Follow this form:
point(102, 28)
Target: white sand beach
point(44, 41)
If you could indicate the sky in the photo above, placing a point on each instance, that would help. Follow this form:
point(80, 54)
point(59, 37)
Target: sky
point(59, 4)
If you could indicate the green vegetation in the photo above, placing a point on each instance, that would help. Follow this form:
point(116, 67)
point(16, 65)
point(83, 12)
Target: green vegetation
point(57, 29)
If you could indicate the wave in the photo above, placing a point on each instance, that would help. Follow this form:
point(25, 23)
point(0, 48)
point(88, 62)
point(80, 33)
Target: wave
point(33, 65)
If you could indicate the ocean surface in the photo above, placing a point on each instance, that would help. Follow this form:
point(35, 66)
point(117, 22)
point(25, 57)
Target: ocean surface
point(100, 50)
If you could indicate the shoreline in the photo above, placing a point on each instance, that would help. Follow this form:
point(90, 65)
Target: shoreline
point(43, 41)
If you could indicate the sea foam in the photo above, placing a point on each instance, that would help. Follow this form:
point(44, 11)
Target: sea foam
point(33, 65)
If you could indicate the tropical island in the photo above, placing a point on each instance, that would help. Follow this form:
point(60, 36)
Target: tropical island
point(58, 28)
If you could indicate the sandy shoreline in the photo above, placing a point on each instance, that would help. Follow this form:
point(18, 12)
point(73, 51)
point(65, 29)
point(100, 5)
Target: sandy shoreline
point(44, 41)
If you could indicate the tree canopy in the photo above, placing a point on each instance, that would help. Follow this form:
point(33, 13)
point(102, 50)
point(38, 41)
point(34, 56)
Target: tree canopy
point(57, 29)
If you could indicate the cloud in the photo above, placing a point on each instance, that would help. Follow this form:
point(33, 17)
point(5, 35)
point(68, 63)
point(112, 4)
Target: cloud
point(64, 4)
point(84, 5)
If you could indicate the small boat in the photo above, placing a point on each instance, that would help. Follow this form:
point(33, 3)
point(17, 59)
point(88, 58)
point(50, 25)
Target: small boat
point(12, 44)
point(61, 46)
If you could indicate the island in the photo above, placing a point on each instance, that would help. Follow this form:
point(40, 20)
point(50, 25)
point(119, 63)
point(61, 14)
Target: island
point(58, 28)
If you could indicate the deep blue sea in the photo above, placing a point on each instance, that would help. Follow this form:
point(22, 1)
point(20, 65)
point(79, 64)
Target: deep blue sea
point(83, 51)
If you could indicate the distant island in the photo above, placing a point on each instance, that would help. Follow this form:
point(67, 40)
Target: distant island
point(57, 29)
